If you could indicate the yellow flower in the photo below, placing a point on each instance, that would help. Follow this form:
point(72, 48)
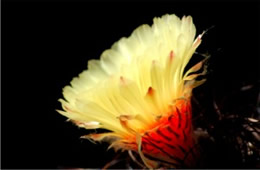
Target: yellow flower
point(138, 90)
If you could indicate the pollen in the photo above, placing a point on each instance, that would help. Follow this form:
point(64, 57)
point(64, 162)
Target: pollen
point(138, 90)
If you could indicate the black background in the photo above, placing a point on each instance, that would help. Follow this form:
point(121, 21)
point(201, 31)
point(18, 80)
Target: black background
point(47, 43)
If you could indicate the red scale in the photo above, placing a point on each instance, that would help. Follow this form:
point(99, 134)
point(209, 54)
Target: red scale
point(171, 141)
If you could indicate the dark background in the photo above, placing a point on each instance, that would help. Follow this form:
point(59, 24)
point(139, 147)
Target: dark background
point(47, 43)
